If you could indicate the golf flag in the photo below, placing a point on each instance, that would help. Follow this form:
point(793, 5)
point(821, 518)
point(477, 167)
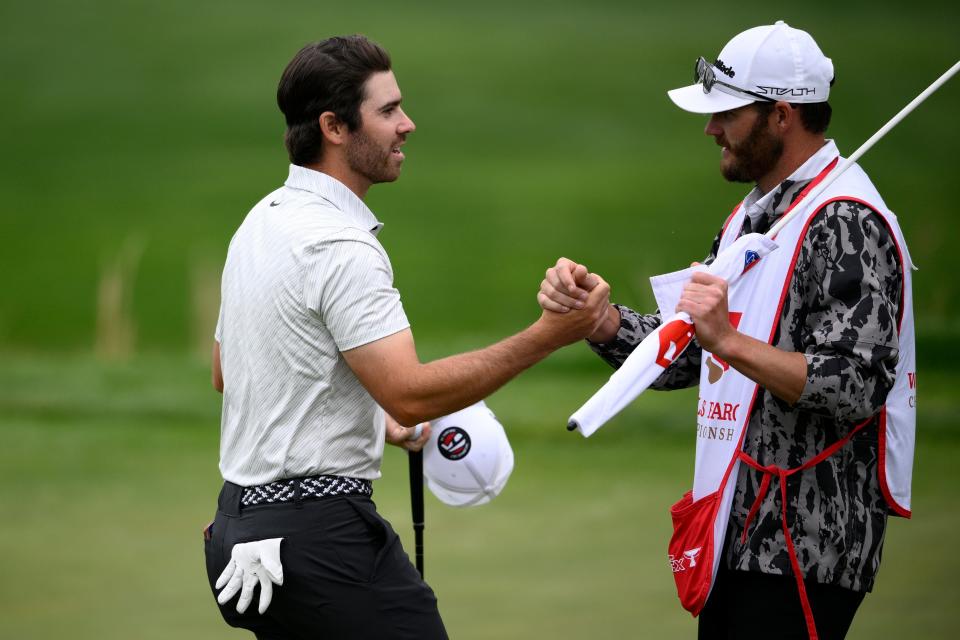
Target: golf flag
point(664, 345)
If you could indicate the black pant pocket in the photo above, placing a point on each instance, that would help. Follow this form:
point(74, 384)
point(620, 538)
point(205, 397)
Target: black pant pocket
point(213, 550)
point(386, 538)
point(357, 537)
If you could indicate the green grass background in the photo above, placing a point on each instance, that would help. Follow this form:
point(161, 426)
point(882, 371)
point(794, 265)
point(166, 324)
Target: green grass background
point(543, 130)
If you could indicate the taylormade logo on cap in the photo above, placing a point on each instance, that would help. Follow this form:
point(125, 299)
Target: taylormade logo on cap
point(776, 62)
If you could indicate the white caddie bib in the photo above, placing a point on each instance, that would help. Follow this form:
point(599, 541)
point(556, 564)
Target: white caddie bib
point(727, 397)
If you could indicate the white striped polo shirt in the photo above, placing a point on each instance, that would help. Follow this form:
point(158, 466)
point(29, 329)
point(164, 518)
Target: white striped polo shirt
point(305, 279)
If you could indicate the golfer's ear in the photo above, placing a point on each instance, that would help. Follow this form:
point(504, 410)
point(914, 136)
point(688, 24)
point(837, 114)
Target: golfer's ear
point(333, 128)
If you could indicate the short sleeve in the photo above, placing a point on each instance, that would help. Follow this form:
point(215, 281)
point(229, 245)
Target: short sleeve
point(348, 287)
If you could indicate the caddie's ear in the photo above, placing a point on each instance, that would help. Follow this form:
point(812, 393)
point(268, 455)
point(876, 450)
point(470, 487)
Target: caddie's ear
point(333, 128)
point(784, 115)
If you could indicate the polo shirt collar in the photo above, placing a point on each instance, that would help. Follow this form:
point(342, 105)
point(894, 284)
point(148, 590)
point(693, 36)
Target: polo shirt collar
point(336, 193)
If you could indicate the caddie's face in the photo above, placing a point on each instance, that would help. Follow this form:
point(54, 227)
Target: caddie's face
point(373, 150)
point(749, 147)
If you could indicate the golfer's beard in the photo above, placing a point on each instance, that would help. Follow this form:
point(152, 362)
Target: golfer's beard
point(369, 160)
point(754, 157)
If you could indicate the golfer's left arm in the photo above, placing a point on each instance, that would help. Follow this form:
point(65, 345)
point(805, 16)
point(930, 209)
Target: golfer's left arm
point(216, 368)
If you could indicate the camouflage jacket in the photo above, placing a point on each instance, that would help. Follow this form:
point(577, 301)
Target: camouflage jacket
point(841, 312)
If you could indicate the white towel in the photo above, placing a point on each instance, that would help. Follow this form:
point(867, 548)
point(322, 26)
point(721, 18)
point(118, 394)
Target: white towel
point(653, 355)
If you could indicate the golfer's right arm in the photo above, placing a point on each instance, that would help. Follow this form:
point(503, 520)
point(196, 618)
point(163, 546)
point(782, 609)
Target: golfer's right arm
point(414, 392)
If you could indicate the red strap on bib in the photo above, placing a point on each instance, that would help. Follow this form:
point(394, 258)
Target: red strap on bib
point(782, 474)
point(813, 183)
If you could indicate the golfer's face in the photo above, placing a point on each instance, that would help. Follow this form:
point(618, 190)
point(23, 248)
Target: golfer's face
point(375, 147)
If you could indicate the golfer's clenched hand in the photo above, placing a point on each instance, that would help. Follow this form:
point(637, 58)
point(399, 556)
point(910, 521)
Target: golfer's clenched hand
point(579, 323)
point(566, 286)
point(411, 439)
point(569, 286)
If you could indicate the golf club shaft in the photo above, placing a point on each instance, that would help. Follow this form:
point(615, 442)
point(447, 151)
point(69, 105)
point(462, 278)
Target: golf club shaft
point(416, 505)
point(856, 155)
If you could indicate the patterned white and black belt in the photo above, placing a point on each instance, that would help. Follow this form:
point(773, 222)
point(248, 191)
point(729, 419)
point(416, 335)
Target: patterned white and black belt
point(308, 489)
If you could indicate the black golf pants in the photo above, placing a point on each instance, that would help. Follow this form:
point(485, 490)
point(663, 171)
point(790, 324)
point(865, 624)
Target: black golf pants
point(346, 575)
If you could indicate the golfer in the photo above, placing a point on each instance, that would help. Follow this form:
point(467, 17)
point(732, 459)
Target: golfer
point(316, 362)
point(816, 375)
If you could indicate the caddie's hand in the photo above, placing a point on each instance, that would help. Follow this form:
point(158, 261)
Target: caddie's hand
point(566, 286)
point(704, 298)
point(577, 324)
point(251, 563)
point(411, 439)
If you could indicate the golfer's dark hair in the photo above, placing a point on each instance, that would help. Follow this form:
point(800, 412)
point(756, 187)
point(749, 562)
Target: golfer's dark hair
point(814, 116)
point(325, 76)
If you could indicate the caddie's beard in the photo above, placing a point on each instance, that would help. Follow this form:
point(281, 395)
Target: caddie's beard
point(373, 162)
point(753, 157)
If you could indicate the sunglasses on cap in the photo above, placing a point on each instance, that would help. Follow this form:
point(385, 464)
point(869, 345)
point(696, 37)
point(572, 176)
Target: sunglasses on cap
point(704, 74)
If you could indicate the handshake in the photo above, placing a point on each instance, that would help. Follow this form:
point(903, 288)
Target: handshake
point(576, 304)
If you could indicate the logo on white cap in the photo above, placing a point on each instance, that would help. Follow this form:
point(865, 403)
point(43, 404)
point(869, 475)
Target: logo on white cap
point(773, 62)
point(468, 459)
point(453, 443)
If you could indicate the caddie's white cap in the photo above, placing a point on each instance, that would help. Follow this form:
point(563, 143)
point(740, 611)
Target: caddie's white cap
point(468, 458)
point(773, 61)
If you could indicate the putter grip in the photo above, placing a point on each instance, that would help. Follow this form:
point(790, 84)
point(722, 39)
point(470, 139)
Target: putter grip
point(417, 432)
point(416, 505)
point(416, 487)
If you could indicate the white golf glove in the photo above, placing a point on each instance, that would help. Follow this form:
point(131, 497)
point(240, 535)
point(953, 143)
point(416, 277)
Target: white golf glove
point(251, 563)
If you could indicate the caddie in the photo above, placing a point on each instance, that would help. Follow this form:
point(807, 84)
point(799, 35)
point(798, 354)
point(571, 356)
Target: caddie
point(316, 362)
point(806, 413)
